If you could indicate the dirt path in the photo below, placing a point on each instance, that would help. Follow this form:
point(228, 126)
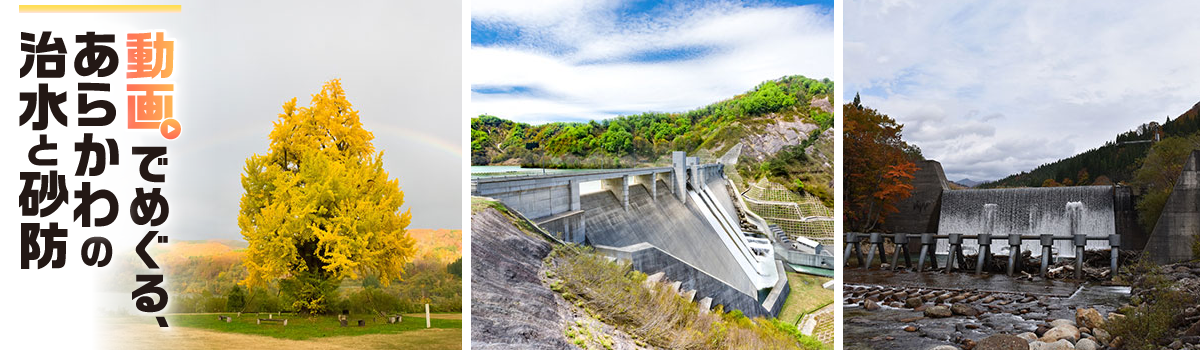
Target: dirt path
point(149, 336)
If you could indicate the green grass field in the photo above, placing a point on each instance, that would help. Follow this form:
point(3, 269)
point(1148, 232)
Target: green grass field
point(307, 327)
point(807, 296)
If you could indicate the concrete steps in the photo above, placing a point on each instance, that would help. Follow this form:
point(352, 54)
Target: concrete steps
point(689, 295)
point(653, 282)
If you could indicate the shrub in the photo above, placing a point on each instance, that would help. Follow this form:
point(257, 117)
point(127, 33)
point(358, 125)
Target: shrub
point(614, 292)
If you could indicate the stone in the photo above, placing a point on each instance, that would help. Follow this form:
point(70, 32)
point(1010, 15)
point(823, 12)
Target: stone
point(870, 305)
point(1112, 316)
point(1088, 317)
point(964, 310)
point(911, 319)
point(1061, 344)
point(1060, 322)
point(938, 311)
point(1194, 330)
point(1061, 332)
point(1086, 344)
point(1102, 336)
point(1028, 336)
point(913, 302)
point(1002, 342)
point(910, 329)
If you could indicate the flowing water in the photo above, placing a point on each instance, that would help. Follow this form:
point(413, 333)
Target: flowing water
point(1029, 211)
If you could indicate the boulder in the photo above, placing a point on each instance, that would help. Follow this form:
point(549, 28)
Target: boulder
point(1061, 344)
point(1102, 336)
point(1062, 332)
point(1028, 336)
point(870, 305)
point(1088, 317)
point(938, 311)
point(913, 302)
point(1086, 344)
point(964, 310)
point(1060, 322)
point(1002, 342)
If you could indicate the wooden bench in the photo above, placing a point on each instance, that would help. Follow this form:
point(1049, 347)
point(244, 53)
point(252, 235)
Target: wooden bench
point(283, 320)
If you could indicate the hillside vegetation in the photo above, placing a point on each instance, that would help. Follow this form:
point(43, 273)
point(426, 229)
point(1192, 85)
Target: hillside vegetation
point(205, 276)
point(1149, 159)
point(783, 123)
point(1114, 162)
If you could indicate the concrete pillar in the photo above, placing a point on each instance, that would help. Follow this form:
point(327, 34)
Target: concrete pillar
point(666, 178)
point(650, 184)
point(679, 175)
point(695, 176)
point(574, 186)
point(619, 187)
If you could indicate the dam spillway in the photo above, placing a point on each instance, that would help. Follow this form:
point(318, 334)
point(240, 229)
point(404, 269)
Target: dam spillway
point(1029, 211)
point(680, 221)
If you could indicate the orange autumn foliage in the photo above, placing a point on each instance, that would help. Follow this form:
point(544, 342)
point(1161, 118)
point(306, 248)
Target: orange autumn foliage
point(877, 168)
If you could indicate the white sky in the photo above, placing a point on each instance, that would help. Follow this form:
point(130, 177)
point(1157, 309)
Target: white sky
point(996, 88)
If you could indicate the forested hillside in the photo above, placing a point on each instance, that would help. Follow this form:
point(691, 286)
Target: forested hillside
point(781, 122)
point(1116, 161)
point(648, 135)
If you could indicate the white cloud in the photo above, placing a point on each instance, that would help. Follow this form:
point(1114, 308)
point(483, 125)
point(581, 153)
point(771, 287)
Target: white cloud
point(580, 59)
point(1064, 76)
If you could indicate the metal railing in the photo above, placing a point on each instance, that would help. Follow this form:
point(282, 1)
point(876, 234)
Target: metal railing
point(929, 243)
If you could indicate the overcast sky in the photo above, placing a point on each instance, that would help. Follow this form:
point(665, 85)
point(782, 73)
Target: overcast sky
point(996, 88)
point(538, 60)
point(238, 62)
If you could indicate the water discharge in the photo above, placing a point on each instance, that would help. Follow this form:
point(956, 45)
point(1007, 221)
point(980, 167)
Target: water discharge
point(1028, 211)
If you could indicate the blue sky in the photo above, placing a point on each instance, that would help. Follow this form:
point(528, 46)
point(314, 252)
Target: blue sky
point(995, 88)
point(538, 61)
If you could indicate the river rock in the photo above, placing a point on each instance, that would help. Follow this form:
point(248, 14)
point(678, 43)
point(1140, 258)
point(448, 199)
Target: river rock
point(1002, 342)
point(1061, 332)
point(1061, 344)
point(1088, 317)
point(910, 329)
point(1194, 330)
point(870, 305)
point(913, 302)
point(1102, 336)
point(964, 310)
point(938, 311)
point(944, 347)
point(1060, 322)
point(1028, 336)
point(1086, 344)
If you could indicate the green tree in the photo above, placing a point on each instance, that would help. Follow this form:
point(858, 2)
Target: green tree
point(318, 207)
point(455, 268)
point(236, 300)
point(1157, 176)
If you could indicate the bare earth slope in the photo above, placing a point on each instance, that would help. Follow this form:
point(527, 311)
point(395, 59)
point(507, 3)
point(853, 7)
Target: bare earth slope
point(510, 308)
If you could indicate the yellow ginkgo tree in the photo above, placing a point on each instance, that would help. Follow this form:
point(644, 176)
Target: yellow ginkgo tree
point(318, 207)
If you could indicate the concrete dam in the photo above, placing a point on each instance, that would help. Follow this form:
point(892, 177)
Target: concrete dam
point(1049, 222)
point(680, 221)
point(1060, 211)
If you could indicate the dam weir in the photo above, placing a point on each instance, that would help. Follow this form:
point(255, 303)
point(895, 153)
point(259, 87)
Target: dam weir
point(680, 221)
point(1047, 222)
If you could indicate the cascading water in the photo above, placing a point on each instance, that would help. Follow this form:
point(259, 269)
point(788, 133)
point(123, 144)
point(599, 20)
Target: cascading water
point(1028, 211)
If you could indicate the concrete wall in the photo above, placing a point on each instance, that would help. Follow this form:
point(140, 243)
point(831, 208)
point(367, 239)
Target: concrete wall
point(673, 226)
point(1179, 223)
point(650, 260)
point(919, 212)
point(538, 202)
point(1133, 236)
